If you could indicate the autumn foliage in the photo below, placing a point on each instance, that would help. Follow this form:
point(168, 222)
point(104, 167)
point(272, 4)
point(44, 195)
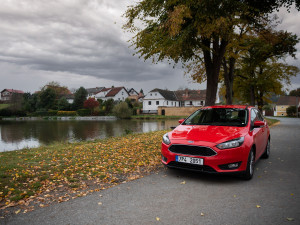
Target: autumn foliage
point(78, 168)
point(90, 103)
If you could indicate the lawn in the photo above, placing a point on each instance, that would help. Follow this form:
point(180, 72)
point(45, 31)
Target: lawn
point(3, 106)
point(72, 168)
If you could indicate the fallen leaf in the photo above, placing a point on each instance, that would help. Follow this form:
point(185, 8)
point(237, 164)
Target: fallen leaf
point(157, 218)
point(16, 212)
point(292, 194)
point(234, 196)
point(290, 219)
point(183, 182)
point(258, 206)
point(202, 214)
point(99, 203)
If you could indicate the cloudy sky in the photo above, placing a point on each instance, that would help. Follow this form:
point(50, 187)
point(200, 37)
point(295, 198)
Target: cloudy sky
point(81, 43)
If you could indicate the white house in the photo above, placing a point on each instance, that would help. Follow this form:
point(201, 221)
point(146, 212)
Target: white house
point(166, 98)
point(115, 93)
point(159, 97)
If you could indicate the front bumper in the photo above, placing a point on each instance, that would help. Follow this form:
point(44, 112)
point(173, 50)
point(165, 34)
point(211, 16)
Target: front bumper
point(224, 161)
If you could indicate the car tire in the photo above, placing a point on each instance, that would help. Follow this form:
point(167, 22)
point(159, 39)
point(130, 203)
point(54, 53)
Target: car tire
point(248, 174)
point(267, 150)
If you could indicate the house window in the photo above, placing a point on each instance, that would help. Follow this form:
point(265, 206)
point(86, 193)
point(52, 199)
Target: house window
point(150, 94)
point(157, 102)
point(149, 102)
point(167, 102)
point(201, 103)
point(172, 103)
point(155, 94)
point(122, 93)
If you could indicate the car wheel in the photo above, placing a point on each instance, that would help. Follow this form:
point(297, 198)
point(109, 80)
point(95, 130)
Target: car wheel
point(267, 151)
point(248, 174)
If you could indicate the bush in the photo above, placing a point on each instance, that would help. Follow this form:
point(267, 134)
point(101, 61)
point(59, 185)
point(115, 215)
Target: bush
point(291, 110)
point(52, 113)
point(122, 111)
point(9, 112)
point(84, 112)
point(66, 113)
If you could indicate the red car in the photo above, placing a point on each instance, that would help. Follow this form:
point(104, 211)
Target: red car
point(218, 139)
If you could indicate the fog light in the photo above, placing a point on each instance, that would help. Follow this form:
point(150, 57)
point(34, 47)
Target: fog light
point(230, 166)
point(164, 158)
point(233, 165)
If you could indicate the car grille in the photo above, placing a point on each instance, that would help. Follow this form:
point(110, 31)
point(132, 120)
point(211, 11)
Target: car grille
point(187, 166)
point(192, 150)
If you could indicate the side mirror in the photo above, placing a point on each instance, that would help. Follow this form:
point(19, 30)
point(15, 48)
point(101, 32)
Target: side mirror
point(258, 124)
point(180, 121)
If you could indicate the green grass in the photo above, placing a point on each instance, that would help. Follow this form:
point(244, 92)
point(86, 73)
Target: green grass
point(4, 106)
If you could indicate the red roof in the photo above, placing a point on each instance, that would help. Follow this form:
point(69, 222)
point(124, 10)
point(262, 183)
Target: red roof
point(13, 91)
point(288, 100)
point(114, 91)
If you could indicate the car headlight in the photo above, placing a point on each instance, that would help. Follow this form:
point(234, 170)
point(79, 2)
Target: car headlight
point(166, 139)
point(231, 144)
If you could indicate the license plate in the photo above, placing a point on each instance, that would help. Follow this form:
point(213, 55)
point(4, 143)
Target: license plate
point(190, 160)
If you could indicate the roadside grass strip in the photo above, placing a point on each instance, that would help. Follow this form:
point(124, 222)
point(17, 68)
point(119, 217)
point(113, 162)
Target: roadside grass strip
point(73, 167)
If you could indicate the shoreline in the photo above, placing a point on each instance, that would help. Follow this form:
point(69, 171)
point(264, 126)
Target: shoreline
point(81, 118)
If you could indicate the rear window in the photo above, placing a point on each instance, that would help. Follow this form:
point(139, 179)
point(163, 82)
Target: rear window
point(218, 117)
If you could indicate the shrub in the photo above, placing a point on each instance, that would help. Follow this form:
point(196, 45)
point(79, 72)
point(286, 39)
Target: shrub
point(52, 112)
point(122, 111)
point(84, 112)
point(66, 113)
point(291, 110)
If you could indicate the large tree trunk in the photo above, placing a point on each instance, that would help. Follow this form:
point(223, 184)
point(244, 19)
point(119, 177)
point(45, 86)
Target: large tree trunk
point(228, 79)
point(213, 61)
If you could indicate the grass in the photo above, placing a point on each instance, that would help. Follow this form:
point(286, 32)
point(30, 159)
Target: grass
point(271, 121)
point(4, 106)
point(26, 173)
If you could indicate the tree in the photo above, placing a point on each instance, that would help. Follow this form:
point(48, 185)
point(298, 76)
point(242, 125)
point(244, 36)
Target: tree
point(291, 110)
point(258, 86)
point(47, 99)
point(91, 103)
point(295, 92)
point(122, 111)
point(260, 71)
point(194, 31)
point(79, 98)
point(63, 104)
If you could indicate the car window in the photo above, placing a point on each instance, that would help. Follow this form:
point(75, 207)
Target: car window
point(218, 117)
point(253, 116)
point(259, 116)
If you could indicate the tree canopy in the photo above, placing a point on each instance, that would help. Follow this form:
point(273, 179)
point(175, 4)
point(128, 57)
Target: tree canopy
point(185, 31)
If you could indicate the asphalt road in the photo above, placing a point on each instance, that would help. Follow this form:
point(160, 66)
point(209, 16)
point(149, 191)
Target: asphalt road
point(180, 197)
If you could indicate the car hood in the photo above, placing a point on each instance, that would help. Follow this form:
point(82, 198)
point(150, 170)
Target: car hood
point(215, 134)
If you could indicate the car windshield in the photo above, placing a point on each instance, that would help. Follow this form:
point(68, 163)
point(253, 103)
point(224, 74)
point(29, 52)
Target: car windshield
point(218, 117)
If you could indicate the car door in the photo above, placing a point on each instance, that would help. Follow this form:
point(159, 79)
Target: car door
point(258, 134)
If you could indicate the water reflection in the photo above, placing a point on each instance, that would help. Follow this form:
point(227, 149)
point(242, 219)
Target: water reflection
point(20, 134)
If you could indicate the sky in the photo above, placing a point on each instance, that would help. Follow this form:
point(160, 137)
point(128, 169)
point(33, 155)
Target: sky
point(81, 43)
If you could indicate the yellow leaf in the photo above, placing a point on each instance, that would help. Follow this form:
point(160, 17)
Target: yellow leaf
point(183, 182)
point(258, 206)
point(16, 212)
point(234, 196)
point(99, 203)
point(202, 214)
point(157, 218)
point(290, 219)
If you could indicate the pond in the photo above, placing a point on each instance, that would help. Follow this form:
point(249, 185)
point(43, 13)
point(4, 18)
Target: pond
point(16, 135)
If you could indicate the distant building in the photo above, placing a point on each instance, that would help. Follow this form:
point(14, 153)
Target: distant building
point(6, 94)
point(93, 91)
point(284, 102)
point(115, 93)
point(181, 98)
